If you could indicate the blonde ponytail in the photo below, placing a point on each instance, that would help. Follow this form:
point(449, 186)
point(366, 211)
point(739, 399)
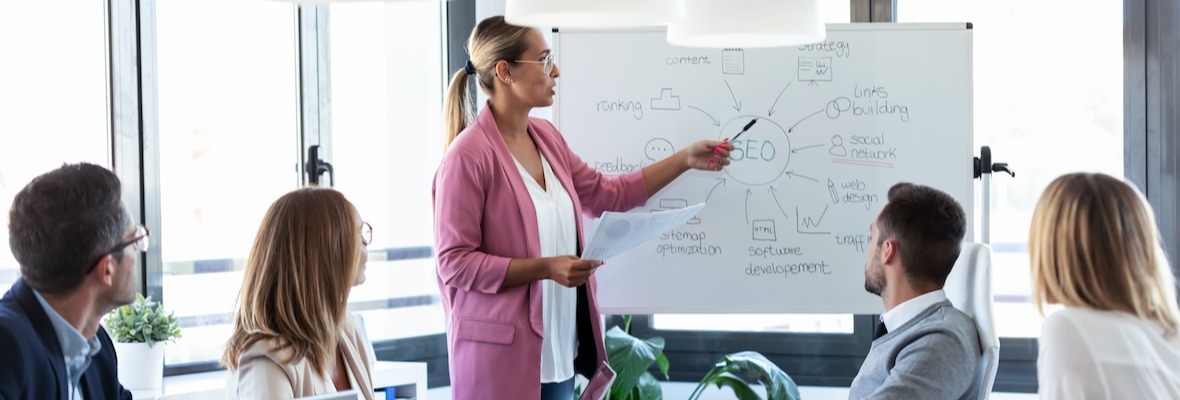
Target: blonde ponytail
point(492, 40)
point(457, 110)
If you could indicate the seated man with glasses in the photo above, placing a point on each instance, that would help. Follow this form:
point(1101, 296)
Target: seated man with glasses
point(77, 247)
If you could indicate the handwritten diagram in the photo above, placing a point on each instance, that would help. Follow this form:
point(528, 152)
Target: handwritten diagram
point(836, 125)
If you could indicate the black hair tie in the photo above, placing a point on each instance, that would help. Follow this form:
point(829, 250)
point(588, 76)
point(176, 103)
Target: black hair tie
point(469, 67)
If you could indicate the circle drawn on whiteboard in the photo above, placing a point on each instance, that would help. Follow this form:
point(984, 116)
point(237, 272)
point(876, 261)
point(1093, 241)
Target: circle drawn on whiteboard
point(618, 229)
point(761, 155)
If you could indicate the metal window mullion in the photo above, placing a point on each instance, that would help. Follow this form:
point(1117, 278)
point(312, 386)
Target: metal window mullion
point(315, 117)
point(135, 155)
point(874, 10)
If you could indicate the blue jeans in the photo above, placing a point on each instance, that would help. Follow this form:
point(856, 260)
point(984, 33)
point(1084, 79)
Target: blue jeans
point(558, 390)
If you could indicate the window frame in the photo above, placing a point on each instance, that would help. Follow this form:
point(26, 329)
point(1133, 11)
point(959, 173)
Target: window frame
point(827, 359)
point(136, 158)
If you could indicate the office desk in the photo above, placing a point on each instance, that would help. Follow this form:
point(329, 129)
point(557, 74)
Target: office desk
point(401, 379)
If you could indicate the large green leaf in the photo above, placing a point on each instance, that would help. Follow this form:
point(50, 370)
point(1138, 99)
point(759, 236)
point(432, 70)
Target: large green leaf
point(741, 389)
point(662, 363)
point(779, 386)
point(630, 357)
point(648, 388)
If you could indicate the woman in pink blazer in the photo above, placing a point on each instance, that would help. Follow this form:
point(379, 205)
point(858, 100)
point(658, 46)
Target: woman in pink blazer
point(508, 196)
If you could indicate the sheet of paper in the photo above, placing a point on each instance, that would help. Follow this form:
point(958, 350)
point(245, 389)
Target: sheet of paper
point(619, 232)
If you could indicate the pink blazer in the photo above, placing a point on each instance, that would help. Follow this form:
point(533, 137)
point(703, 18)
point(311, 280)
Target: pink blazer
point(484, 217)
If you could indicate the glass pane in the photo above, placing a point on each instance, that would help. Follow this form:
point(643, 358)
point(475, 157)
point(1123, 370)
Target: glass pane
point(835, 11)
point(1044, 112)
point(54, 105)
point(228, 148)
point(387, 81)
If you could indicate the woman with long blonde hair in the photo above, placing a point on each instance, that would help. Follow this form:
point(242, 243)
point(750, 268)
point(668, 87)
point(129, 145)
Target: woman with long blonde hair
point(1094, 249)
point(292, 335)
point(509, 197)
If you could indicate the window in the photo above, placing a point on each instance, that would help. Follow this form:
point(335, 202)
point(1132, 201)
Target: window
point(832, 12)
point(1044, 112)
point(386, 90)
point(54, 105)
point(228, 148)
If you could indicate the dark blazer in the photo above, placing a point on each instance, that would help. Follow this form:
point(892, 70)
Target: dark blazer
point(31, 363)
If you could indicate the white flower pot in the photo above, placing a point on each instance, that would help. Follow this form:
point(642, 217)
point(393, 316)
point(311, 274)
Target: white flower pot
point(141, 368)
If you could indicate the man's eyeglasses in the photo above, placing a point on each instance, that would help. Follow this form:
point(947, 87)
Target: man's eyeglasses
point(366, 233)
point(546, 64)
point(140, 240)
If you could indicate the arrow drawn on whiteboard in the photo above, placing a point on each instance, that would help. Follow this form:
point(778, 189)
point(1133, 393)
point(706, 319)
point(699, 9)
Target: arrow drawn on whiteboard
point(792, 174)
point(780, 206)
point(715, 121)
point(721, 183)
point(796, 150)
point(748, 194)
point(812, 83)
point(780, 95)
point(737, 105)
point(792, 128)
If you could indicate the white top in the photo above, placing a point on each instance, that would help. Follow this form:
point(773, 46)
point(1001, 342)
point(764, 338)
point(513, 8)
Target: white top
point(1091, 354)
point(909, 309)
point(558, 233)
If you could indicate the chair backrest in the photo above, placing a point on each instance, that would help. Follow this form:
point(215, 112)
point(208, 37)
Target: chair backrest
point(969, 288)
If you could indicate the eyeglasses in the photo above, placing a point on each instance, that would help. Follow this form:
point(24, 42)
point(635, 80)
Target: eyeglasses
point(366, 233)
point(140, 240)
point(547, 63)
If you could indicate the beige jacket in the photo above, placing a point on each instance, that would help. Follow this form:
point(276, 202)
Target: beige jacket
point(262, 375)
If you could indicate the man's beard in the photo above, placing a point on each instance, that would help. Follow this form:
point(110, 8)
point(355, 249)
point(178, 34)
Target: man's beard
point(874, 277)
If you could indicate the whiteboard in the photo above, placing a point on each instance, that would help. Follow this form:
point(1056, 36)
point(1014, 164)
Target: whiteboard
point(785, 226)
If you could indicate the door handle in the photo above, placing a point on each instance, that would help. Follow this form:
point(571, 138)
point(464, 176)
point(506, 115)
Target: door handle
point(316, 167)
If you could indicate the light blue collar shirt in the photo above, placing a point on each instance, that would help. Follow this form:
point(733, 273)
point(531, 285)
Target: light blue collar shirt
point(75, 348)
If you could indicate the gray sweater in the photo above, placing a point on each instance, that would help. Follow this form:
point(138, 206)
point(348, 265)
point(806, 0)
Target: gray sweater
point(934, 356)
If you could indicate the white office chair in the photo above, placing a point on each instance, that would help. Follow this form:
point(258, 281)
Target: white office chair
point(969, 288)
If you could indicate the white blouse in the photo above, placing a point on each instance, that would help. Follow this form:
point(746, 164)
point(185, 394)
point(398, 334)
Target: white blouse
point(1092, 354)
point(558, 233)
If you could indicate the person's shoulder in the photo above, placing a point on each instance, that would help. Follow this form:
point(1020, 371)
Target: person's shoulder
point(351, 326)
point(18, 341)
point(14, 322)
point(545, 129)
point(265, 350)
point(953, 315)
point(542, 124)
point(471, 144)
point(946, 319)
point(470, 138)
point(1066, 321)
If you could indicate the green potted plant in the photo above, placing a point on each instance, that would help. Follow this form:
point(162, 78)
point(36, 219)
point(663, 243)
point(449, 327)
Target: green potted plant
point(139, 331)
point(631, 358)
point(752, 364)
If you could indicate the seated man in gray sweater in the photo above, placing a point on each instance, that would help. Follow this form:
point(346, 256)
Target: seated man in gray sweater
point(924, 348)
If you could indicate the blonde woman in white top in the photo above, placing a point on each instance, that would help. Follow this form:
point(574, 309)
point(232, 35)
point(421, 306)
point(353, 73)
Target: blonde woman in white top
point(1094, 248)
point(292, 335)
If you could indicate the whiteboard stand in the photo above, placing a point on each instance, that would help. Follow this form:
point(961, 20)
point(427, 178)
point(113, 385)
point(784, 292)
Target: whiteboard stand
point(983, 170)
